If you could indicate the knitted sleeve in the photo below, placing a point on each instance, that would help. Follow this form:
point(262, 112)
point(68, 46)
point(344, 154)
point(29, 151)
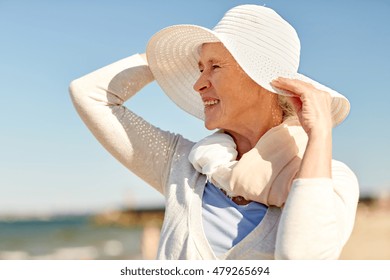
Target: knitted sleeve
point(318, 217)
point(98, 98)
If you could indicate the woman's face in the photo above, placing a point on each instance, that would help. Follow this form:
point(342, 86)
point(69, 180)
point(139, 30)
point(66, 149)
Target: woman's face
point(231, 99)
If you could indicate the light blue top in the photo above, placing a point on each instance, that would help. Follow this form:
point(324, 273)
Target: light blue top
point(225, 223)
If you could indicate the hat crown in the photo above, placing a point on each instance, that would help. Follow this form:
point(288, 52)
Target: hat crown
point(261, 30)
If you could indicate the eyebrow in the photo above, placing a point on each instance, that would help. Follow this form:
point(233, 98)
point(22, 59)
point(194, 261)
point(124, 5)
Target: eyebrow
point(211, 61)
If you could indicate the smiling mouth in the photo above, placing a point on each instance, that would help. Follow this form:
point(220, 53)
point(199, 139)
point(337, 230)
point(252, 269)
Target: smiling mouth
point(210, 103)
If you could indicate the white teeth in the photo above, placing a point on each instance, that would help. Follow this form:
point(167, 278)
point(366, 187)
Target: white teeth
point(210, 102)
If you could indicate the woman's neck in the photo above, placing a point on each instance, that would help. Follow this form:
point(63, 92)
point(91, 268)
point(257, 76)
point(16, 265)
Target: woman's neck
point(247, 138)
point(243, 142)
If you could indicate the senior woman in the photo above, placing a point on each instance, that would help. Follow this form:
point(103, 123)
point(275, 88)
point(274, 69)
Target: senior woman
point(263, 185)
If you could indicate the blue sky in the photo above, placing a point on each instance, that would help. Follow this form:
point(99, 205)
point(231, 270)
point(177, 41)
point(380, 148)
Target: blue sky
point(49, 162)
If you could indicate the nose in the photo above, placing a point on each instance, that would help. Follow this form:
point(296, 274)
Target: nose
point(202, 84)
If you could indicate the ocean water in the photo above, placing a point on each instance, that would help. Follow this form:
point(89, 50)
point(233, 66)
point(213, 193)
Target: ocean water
point(72, 238)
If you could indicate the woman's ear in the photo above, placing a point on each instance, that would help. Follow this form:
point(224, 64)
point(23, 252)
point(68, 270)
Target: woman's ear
point(295, 102)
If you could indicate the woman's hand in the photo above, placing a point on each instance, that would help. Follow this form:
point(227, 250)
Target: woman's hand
point(313, 106)
point(143, 55)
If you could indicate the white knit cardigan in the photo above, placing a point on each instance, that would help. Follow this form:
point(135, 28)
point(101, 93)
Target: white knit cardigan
point(315, 222)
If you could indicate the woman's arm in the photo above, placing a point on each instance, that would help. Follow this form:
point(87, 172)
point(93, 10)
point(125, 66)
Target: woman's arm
point(98, 98)
point(313, 108)
point(319, 214)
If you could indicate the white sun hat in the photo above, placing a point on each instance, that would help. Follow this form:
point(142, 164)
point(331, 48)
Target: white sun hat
point(261, 41)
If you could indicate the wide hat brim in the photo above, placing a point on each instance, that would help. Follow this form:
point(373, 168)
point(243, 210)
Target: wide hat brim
point(173, 56)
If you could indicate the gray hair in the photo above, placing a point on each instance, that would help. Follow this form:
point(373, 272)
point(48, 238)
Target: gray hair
point(286, 106)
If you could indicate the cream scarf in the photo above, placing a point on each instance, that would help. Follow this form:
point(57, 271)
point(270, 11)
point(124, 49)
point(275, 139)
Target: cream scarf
point(263, 174)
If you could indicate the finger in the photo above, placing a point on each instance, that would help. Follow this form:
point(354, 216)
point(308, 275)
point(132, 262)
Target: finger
point(292, 85)
point(282, 89)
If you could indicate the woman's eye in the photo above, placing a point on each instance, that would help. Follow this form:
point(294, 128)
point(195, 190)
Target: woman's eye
point(215, 66)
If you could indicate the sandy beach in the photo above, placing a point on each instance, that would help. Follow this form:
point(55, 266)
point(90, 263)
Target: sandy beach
point(370, 239)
